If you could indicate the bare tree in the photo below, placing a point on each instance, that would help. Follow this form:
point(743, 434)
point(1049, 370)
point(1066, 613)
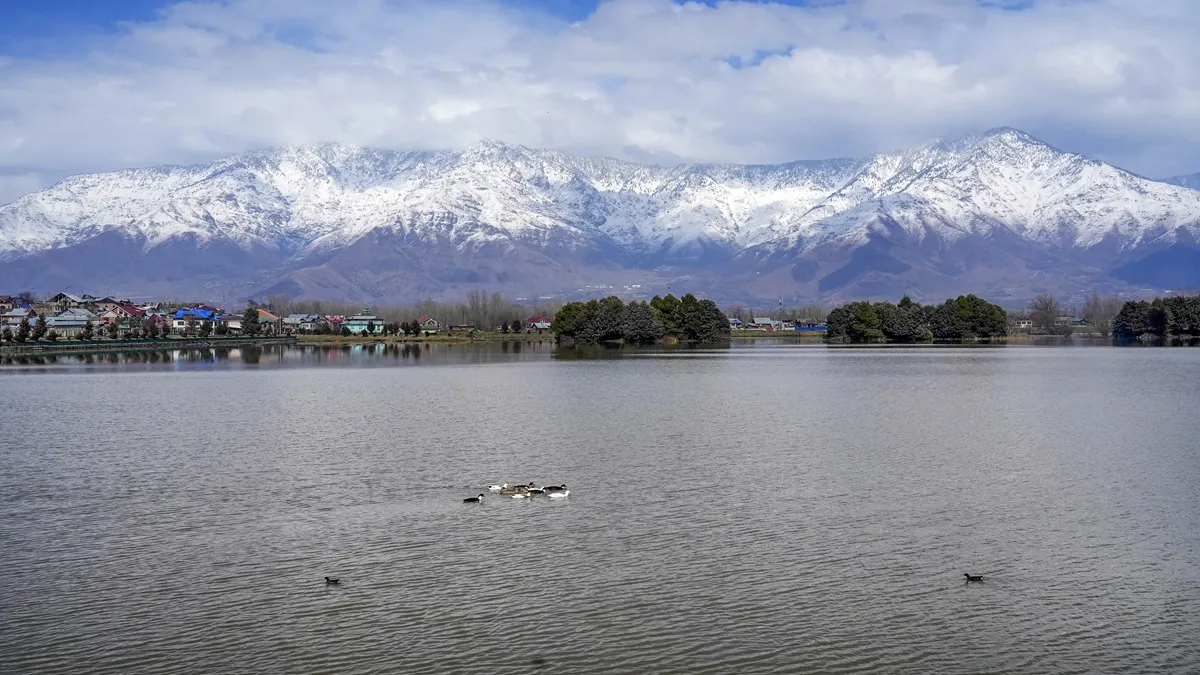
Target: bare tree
point(1045, 310)
point(1101, 311)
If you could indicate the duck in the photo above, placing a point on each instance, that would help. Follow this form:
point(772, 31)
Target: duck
point(521, 495)
point(536, 491)
point(560, 495)
point(474, 500)
point(331, 581)
point(555, 488)
point(973, 577)
point(497, 488)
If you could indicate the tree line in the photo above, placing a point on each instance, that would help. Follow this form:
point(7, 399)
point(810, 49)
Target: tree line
point(479, 308)
point(686, 319)
point(1158, 320)
point(966, 317)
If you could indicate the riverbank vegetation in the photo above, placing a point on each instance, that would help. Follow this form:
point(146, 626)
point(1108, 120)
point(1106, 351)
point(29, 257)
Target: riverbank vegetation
point(685, 319)
point(1158, 321)
point(961, 319)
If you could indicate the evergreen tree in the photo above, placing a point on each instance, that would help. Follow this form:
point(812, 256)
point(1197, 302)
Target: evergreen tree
point(23, 330)
point(404, 328)
point(504, 327)
point(668, 311)
point(6, 334)
point(370, 328)
point(250, 324)
point(39, 328)
point(206, 329)
point(641, 324)
point(113, 329)
point(52, 335)
point(88, 330)
point(1131, 322)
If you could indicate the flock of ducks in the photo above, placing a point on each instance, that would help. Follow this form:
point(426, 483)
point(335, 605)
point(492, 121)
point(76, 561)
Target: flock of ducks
point(528, 491)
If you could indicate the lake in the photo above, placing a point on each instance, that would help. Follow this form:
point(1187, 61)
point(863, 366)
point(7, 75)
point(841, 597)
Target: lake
point(760, 508)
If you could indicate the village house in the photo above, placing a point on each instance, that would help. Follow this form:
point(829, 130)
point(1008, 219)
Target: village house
point(429, 324)
point(268, 323)
point(538, 323)
point(61, 301)
point(231, 322)
point(302, 323)
point(7, 302)
point(71, 322)
point(121, 314)
point(13, 317)
point(363, 324)
point(198, 316)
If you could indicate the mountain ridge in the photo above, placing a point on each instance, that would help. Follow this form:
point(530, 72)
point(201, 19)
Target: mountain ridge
point(330, 220)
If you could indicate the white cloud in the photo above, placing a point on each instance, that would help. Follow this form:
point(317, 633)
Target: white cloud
point(641, 79)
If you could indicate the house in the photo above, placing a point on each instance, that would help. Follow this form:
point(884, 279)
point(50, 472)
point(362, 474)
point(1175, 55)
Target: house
point(539, 322)
point(429, 324)
point(6, 303)
point(364, 324)
point(767, 323)
point(1023, 324)
point(181, 318)
point(13, 317)
point(61, 301)
point(71, 322)
point(735, 323)
point(302, 323)
point(122, 314)
point(232, 322)
point(268, 322)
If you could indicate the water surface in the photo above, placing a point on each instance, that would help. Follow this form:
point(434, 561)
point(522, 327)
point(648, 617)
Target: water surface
point(761, 508)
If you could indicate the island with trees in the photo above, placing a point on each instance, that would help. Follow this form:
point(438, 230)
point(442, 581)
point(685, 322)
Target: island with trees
point(962, 319)
point(1159, 321)
point(668, 318)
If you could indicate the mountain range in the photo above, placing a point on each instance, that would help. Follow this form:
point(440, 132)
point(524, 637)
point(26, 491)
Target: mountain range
point(1001, 214)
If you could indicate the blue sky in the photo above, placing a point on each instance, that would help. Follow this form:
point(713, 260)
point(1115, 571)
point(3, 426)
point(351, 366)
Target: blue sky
point(95, 85)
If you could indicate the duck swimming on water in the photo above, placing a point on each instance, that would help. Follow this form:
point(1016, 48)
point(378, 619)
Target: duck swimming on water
point(474, 500)
point(330, 581)
point(497, 488)
point(973, 577)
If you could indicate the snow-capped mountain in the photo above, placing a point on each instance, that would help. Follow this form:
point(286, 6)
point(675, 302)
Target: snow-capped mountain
point(1000, 212)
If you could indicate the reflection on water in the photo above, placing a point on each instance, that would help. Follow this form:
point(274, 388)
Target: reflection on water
point(285, 356)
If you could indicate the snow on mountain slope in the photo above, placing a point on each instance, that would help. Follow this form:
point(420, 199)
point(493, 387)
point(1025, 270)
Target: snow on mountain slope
point(1191, 180)
point(308, 203)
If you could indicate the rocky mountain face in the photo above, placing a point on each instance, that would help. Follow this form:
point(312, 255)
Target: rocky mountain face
point(1001, 214)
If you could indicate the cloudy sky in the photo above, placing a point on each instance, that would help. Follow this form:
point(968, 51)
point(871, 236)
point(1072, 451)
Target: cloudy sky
point(91, 86)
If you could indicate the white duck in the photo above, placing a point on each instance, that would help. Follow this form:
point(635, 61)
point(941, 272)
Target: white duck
point(560, 495)
point(497, 488)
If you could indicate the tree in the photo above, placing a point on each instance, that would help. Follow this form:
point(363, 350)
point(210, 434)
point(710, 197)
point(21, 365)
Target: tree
point(6, 334)
point(641, 324)
point(250, 320)
point(345, 331)
point(404, 328)
point(1131, 322)
point(668, 311)
point(1159, 319)
point(206, 329)
point(1045, 310)
point(222, 328)
point(52, 335)
point(370, 328)
point(88, 330)
point(23, 330)
point(39, 329)
point(504, 327)
point(113, 329)
point(189, 328)
point(1101, 312)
